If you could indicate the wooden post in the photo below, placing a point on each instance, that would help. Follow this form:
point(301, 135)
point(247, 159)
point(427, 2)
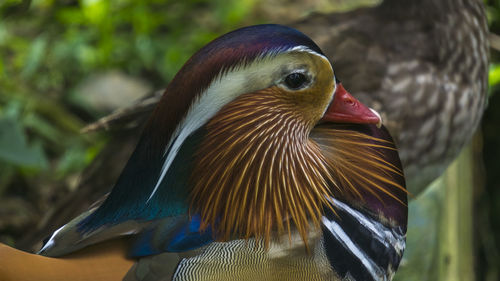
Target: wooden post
point(456, 250)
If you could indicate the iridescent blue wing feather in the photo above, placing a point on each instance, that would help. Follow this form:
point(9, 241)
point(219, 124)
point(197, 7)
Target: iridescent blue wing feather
point(171, 235)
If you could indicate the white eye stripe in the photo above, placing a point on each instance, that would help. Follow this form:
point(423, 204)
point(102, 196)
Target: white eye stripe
point(307, 50)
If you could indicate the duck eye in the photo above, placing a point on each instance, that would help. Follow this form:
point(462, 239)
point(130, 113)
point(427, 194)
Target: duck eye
point(295, 80)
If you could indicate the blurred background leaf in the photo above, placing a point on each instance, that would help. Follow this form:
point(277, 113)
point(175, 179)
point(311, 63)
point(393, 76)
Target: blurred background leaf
point(15, 150)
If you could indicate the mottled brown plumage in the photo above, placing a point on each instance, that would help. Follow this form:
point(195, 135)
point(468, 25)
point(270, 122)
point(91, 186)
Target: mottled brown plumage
point(422, 64)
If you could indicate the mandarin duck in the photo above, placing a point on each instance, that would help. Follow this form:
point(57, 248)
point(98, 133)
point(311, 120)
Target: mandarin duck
point(256, 164)
point(423, 64)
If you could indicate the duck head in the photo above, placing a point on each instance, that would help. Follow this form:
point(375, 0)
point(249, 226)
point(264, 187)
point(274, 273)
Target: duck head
point(231, 142)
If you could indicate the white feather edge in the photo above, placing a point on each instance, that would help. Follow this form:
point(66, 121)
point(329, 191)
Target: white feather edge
point(68, 239)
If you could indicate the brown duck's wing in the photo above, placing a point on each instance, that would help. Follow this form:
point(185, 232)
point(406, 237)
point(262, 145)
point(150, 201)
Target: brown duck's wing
point(105, 261)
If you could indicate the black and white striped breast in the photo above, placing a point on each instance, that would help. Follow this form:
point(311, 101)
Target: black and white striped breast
point(359, 247)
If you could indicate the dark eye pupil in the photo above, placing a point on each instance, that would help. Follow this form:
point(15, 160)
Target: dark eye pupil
point(295, 80)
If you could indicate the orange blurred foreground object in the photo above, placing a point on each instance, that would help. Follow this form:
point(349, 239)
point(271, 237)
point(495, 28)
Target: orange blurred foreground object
point(105, 261)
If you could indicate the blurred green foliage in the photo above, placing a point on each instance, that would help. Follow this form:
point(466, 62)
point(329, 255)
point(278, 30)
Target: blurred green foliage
point(493, 13)
point(494, 75)
point(48, 47)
